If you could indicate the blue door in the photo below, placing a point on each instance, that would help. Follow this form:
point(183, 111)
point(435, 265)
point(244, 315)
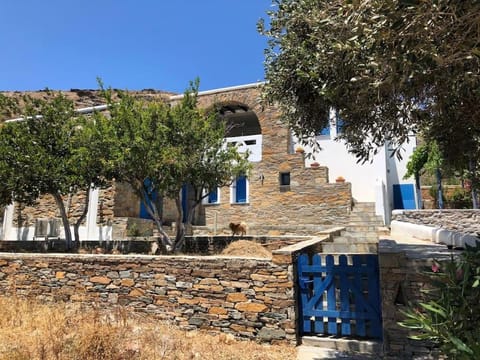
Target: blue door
point(404, 196)
point(241, 190)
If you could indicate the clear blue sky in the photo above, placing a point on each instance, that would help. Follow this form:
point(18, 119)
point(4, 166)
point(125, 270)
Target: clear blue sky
point(130, 44)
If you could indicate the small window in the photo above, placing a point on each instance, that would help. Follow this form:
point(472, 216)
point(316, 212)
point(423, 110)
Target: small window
point(284, 182)
point(211, 198)
point(251, 142)
point(284, 179)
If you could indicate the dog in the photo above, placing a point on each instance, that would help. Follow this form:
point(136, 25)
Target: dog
point(238, 229)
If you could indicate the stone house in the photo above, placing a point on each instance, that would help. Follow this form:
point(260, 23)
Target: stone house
point(284, 193)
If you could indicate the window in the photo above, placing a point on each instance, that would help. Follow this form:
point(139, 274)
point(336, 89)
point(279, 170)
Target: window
point(213, 197)
point(339, 124)
point(239, 191)
point(284, 179)
point(325, 131)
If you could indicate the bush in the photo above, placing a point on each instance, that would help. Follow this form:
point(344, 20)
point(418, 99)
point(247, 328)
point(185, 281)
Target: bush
point(451, 316)
point(459, 199)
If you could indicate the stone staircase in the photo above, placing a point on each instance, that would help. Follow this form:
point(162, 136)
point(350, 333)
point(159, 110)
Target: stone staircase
point(360, 234)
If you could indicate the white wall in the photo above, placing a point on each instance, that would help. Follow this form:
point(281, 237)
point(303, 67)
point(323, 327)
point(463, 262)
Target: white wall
point(367, 177)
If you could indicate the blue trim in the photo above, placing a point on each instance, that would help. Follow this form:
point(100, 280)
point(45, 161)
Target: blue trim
point(241, 189)
point(213, 197)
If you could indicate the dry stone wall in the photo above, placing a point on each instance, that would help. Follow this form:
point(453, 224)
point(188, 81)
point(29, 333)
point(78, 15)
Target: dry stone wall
point(465, 221)
point(403, 276)
point(251, 298)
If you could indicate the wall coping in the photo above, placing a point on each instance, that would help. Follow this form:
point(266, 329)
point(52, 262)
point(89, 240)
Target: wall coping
point(327, 236)
point(129, 257)
point(403, 211)
point(433, 234)
point(416, 251)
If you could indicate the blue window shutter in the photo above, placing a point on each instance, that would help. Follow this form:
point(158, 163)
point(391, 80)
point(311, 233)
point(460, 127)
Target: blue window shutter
point(339, 125)
point(241, 189)
point(213, 197)
point(325, 131)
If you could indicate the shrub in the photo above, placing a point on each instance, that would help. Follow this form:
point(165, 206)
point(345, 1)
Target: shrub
point(451, 316)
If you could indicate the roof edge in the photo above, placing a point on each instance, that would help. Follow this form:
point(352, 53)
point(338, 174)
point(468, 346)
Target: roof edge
point(219, 90)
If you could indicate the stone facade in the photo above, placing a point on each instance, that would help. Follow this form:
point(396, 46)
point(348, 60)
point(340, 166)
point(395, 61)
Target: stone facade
point(45, 207)
point(251, 298)
point(465, 221)
point(310, 198)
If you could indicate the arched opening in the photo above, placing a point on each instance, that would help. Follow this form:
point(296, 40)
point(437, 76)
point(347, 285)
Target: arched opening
point(242, 128)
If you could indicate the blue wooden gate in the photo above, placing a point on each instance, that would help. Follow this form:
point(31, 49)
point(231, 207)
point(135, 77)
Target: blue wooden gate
point(340, 298)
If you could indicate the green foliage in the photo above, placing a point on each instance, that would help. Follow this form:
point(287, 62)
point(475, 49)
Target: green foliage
point(53, 150)
point(8, 106)
point(417, 162)
point(160, 147)
point(459, 199)
point(451, 315)
point(391, 68)
point(35, 154)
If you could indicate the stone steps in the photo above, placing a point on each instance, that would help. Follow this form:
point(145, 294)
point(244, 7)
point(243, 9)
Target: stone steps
point(354, 240)
point(349, 348)
point(348, 248)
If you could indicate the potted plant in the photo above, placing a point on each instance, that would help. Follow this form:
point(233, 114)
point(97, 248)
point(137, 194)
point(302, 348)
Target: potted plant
point(299, 150)
point(340, 179)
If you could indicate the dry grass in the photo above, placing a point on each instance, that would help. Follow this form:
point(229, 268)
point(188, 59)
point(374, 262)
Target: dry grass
point(33, 331)
point(247, 248)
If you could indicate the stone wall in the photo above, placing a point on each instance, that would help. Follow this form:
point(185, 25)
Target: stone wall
point(251, 298)
point(403, 275)
point(45, 207)
point(465, 221)
point(127, 204)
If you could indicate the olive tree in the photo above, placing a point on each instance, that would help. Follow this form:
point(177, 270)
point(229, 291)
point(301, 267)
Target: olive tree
point(390, 68)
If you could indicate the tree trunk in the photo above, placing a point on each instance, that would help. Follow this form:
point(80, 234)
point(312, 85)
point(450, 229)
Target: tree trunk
point(438, 175)
point(180, 234)
point(473, 183)
point(76, 226)
point(153, 212)
point(418, 190)
point(66, 224)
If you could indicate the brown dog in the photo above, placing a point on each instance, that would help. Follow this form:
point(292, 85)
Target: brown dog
point(238, 229)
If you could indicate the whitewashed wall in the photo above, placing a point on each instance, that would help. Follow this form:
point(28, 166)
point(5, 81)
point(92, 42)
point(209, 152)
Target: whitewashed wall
point(365, 178)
